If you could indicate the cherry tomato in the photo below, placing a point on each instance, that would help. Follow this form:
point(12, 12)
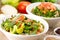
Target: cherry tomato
point(22, 6)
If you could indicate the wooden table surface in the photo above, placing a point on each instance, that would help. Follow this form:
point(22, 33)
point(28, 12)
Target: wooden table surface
point(2, 36)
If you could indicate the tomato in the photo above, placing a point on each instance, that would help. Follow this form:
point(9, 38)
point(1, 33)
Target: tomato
point(22, 6)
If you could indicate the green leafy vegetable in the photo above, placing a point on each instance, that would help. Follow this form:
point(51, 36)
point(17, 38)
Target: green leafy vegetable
point(11, 2)
point(38, 12)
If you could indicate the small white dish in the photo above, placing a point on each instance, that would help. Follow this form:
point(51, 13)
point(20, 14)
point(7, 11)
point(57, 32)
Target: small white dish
point(56, 29)
point(52, 36)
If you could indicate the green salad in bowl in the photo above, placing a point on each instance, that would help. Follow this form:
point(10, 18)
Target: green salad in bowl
point(46, 9)
point(22, 25)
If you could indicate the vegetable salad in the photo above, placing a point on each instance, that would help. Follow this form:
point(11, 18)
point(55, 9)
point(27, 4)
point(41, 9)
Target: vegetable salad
point(22, 25)
point(46, 9)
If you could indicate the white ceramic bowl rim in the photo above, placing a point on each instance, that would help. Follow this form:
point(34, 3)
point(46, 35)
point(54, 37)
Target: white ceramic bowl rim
point(33, 5)
point(29, 16)
point(54, 36)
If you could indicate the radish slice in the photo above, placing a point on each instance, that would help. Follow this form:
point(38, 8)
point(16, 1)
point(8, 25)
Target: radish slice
point(9, 10)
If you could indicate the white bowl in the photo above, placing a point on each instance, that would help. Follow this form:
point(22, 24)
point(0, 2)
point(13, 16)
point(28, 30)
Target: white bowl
point(53, 36)
point(56, 30)
point(52, 21)
point(27, 37)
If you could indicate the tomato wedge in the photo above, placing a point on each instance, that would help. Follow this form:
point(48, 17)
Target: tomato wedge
point(22, 17)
